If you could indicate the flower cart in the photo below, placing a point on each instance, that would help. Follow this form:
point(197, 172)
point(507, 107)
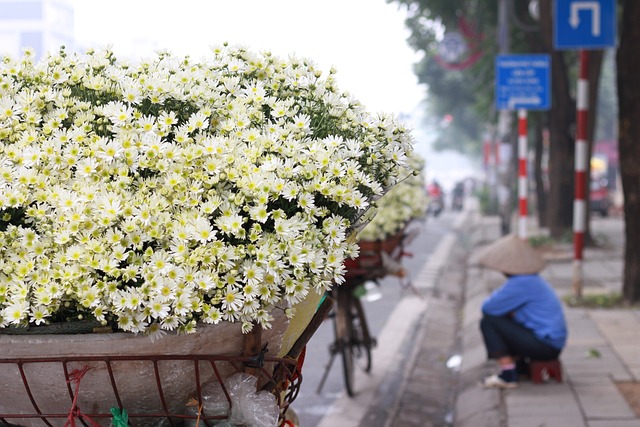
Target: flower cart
point(55, 379)
point(192, 213)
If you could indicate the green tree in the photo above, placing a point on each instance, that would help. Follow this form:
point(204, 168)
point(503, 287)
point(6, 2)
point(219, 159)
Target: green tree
point(469, 91)
point(461, 94)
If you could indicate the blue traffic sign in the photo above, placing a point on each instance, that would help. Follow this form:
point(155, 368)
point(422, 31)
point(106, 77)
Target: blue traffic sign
point(523, 82)
point(584, 24)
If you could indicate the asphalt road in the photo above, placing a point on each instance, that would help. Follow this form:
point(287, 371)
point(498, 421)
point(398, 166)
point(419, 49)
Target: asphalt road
point(312, 405)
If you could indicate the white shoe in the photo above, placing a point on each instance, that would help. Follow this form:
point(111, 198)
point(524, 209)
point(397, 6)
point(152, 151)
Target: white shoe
point(494, 381)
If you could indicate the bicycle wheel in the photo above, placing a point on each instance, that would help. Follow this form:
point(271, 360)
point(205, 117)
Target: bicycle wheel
point(361, 341)
point(343, 331)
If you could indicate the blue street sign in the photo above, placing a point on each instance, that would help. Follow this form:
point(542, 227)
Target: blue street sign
point(584, 24)
point(523, 82)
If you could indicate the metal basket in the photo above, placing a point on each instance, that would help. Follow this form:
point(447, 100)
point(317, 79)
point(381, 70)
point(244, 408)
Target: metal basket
point(369, 264)
point(279, 376)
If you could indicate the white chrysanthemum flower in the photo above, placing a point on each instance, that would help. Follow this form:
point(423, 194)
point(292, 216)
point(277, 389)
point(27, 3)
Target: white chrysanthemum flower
point(160, 194)
point(405, 202)
point(16, 312)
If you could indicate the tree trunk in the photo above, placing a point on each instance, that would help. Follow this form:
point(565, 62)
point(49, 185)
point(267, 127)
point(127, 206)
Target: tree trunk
point(538, 173)
point(562, 117)
point(594, 70)
point(628, 69)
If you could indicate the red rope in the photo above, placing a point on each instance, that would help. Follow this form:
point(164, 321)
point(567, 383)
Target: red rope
point(300, 362)
point(75, 412)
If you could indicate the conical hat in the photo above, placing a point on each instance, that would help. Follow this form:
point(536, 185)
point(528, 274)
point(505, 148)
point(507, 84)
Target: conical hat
point(512, 255)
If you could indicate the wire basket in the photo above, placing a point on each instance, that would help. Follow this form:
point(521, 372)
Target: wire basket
point(279, 376)
point(372, 262)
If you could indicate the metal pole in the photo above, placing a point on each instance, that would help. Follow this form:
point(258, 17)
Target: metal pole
point(581, 154)
point(522, 172)
point(504, 126)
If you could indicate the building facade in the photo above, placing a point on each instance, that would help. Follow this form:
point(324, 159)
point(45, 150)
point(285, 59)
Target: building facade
point(44, 25)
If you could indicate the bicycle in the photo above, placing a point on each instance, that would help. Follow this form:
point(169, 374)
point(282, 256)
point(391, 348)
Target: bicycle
point(353, 340)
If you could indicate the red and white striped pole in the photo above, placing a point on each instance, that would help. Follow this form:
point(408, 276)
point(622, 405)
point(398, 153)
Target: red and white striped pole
point(581, 154)
point(522, 172)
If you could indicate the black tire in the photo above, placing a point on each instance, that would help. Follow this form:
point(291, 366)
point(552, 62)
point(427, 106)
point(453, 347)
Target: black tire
point(361, 339)
point(348, 369)
point(343, 325)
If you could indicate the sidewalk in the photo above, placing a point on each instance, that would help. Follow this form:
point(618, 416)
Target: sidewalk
point(603, 347)
point(443, 357)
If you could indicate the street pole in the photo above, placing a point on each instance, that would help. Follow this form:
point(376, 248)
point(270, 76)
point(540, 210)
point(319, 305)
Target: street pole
point(581, 158)
point(523, 185)
point(504, 127)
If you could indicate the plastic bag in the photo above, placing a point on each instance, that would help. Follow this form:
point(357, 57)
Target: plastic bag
point(248, 407)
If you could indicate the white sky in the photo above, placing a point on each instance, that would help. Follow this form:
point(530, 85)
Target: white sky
point(364, 39)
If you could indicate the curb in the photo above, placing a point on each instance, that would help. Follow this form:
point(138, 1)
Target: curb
point(381, 401)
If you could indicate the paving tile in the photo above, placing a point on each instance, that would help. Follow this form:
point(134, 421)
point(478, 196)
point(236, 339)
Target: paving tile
point(635, 372)
point(582, 329)
point(629, 352)
point(546, 421)
point(599, 361)
point(546, 400)
point(614, 423)
point(474, 400)
point(480, 419)
point(473, 358)
point(617, 324)
point(601, 270)
point(558, 270)
point(600, 401)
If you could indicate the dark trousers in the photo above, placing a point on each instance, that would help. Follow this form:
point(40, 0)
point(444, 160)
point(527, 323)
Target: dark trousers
point(503, 336)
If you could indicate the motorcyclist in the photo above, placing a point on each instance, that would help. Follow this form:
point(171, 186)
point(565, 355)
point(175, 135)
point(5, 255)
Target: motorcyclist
point(435, 189)
point(436, 198)
point(457, 202)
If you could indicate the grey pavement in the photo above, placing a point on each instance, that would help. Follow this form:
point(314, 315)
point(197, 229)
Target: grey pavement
point(603, 346)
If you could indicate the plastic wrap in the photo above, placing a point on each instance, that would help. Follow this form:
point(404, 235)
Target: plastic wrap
point(249, 407)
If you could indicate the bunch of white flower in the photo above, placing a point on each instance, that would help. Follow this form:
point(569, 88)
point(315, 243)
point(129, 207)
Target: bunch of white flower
point(403, 203)
point(159, 194)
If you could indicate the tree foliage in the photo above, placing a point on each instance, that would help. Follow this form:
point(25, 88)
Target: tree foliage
point(462, 94)
point(470, 91)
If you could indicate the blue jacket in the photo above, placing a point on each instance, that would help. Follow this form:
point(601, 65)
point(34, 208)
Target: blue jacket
point(534, 305)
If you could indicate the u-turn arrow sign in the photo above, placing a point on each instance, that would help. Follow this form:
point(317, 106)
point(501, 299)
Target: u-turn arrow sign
point(584, 24)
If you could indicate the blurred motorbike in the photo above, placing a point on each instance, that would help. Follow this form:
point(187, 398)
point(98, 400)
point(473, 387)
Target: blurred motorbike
point(435, 206)
point(436, 199)
point(457, 200)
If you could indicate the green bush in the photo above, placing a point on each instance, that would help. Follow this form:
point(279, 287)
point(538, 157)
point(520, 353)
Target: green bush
point(488, 204)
